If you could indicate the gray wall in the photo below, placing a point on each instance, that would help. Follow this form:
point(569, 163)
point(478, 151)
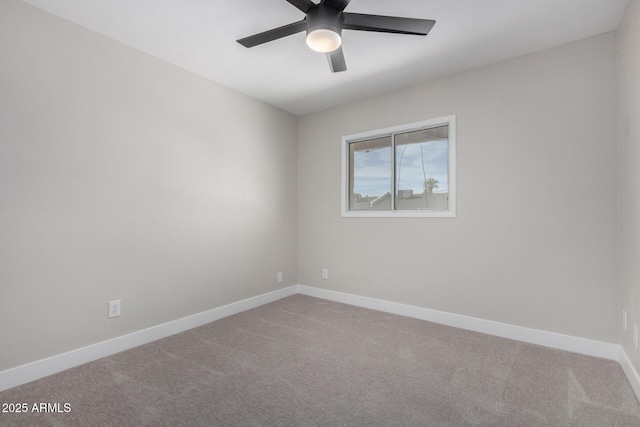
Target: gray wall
point(122, 176)
point(534, 241)
point(629, 174)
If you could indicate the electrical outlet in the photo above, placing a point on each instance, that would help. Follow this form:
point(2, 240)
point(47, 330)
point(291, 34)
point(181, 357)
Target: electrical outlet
point(624, 320)
point(325, 274)
point(114, 308)
point(280, 278)
point(635, 336)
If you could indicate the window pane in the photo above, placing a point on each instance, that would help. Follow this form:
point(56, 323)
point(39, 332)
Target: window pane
point(370, 174)
point(422, 169)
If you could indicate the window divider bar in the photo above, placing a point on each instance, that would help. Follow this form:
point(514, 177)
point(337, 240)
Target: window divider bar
point(393, 172)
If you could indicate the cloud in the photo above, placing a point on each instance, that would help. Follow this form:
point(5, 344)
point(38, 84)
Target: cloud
point(373, 169)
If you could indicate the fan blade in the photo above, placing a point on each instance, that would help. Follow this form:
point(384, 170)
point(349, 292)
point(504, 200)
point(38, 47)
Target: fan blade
point(336, 60)
point(338, 4)
point(387, 24)
point(303, 5)
point(276, 33)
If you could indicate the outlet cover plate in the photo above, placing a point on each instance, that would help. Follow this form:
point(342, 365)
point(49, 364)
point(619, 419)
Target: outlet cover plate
point(114, 308)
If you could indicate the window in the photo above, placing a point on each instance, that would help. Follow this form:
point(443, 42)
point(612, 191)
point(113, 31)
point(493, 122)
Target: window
point(404, 171)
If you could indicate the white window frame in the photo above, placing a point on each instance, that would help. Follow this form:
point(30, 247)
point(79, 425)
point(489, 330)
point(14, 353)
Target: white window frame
point(420, 213)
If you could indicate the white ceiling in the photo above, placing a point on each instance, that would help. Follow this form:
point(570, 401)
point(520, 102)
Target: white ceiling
point(199, 35)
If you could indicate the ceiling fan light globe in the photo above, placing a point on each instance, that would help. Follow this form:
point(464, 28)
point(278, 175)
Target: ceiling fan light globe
point(323, 40)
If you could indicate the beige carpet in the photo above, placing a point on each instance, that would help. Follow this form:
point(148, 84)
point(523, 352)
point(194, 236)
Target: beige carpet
point(303, 361)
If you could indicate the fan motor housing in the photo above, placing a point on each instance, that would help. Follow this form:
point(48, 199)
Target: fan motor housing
point(324, 17)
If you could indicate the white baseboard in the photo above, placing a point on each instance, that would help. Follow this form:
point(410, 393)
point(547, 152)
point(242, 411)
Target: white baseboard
point(519, 333)
point(32, 371)
point(630, 372)
point(533, 336)
point(41, 368)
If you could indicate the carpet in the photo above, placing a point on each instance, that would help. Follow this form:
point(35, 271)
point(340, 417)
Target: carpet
point(304, 361)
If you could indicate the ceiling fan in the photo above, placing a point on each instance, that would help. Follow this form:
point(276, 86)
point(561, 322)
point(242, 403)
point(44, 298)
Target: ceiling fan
point(325, 21)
